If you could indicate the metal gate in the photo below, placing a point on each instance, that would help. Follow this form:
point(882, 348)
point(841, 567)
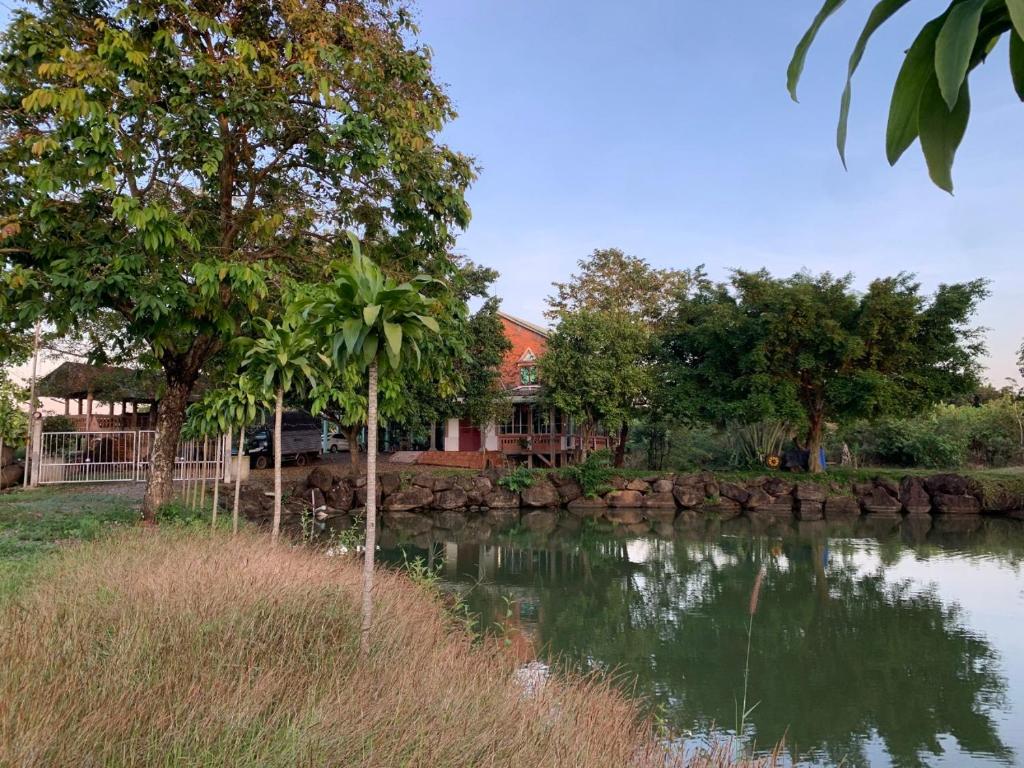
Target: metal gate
point(117, 457)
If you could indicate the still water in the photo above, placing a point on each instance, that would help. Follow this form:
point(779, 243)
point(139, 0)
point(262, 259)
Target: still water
point(900, 650)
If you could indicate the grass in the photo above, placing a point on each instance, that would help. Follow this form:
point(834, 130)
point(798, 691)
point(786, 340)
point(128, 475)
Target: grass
point(37, 522)
point(161, 647)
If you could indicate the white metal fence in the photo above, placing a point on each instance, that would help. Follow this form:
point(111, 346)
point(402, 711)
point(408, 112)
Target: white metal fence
point(113, 457)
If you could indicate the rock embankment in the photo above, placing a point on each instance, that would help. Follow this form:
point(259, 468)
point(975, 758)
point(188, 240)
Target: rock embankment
point(474, 504)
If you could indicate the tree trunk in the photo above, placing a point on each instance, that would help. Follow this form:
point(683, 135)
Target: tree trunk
point(278, 408)
point(238, 475)
point(371, 509)
point(620, 449)
point(352, 435)
point(160, 478)
point(814, 443)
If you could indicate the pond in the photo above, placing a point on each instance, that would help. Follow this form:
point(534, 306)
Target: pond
point(900, 650)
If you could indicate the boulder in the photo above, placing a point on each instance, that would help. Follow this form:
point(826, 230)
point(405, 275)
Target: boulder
point(725, 508)
point(317, 499)
point(776, 486)
point(780, 507)
point(408, 522)
point(569, 491)
point(662, 485)
point(688, 496)
point(950, 504)
point(416, 497)
point(807, 509)
point(321, 478)
point(625, 498)
point(625, 516)
point(340, 497)
point(618, 483)
point(841, 507)
point(477, 489)
point(880, 502)
point(442, 483)
point(501, 498)
point(948, 484)
point(11, 475)
point(451, 498)
point(584, 507)
point(540, 494)
point(389, 482)
point(659, 501)
point(890, 485)
point(810, 492)
point(424, 480)
point(501, 518)
point(540, 521)
point(361, 495)
point(914, 497)
point(758, 499)
point(733, 491)
point(641, 486)
point(451, 520)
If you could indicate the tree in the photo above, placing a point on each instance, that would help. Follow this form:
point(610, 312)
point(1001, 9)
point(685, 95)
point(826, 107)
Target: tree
point(628, 291)
point(484, 399)
point(931, 97)
point(172, 161)
point(590, 372)
point(807, 349)
point(276, 358)
point(371, 319)
point(13, 420)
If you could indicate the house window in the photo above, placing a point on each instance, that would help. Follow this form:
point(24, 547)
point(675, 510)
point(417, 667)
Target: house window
point(517, 425)
point(528, 374)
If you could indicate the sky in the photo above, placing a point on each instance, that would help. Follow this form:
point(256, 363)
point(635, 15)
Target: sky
point(665, 129)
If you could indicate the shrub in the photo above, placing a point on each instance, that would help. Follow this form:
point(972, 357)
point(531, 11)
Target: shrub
point(164, 647)
point(516, 480)
point(593, 474)
point(58, 424)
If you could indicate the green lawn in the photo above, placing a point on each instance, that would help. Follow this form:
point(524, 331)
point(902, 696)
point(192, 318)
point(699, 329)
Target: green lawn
point(36, 522)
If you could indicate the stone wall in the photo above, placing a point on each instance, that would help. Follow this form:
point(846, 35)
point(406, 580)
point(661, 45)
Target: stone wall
point(423, 501)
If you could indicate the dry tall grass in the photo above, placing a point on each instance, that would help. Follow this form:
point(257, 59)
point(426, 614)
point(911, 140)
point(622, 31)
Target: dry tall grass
point(164, 648)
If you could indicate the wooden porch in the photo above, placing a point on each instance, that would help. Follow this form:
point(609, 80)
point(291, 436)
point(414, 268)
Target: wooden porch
point(547, 449)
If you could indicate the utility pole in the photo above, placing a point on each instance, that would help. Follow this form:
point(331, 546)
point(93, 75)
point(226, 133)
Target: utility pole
point(31, 406)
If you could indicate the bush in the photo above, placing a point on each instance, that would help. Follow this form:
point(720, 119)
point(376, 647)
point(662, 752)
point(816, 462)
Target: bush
point(166, 647)
point(516, 480)
point(593, 474)
point(58, 424)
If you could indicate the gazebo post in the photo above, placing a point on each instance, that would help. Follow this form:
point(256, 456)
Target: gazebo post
point(88, 412)
point(79, 406)
point(67, 406)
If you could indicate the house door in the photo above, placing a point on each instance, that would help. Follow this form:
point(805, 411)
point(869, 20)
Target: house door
point(469, 436)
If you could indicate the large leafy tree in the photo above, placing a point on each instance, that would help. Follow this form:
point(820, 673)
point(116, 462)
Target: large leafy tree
point(931, 97)
point(809, 349)
point(628, 293)
point(170, 160)
point(375, 322)
point(589, 369)
point(484, 399)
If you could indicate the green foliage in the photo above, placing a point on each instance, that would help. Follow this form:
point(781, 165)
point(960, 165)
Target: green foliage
point(930, 99)
point(518, 479)
point(808, 349)
point(593, 474)
point(752, 444)
point(58, 424)
point(484, 399)
point(13, 419)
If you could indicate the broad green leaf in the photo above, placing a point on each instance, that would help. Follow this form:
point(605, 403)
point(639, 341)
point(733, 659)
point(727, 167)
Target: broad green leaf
point(954, 46)
point(350, 329)
point(370, 313)
point(918, 68)
point(881, 13)
point(429, 322)
point(1016, 9)
point(393, 337)
point(942, 131)
point(1017, 63)
point(796, 64)
point(370, 347)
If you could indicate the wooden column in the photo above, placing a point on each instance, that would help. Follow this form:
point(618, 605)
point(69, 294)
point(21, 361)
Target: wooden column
point(79, 406)
point(88, 412)
point(67, 406)
point(111, 404)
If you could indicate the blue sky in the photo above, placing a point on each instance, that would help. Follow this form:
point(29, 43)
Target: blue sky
point(664, 129)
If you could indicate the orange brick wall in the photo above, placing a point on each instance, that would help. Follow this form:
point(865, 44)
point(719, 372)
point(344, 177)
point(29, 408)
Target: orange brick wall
point(522, 339)
point(462, 459)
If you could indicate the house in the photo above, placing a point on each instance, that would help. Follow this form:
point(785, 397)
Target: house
point(535, 434)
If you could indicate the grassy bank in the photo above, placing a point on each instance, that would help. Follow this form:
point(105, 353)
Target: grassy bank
point(168, 647)
point(38, 522)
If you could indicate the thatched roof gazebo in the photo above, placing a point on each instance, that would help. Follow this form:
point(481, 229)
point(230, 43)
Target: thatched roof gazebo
point(89, 384)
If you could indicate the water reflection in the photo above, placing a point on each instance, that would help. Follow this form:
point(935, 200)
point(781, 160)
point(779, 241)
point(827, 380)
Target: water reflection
point(857, 655)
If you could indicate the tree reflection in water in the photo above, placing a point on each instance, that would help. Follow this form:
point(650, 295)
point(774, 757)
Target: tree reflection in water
point(842, 656)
